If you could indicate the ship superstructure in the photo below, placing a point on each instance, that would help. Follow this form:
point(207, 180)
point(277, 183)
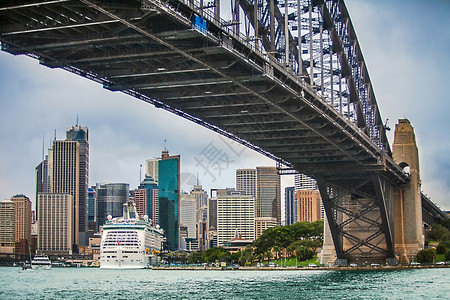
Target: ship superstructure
point(130, 241)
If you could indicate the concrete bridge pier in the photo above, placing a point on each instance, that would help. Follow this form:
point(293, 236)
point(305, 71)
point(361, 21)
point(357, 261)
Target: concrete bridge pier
point(408, 228)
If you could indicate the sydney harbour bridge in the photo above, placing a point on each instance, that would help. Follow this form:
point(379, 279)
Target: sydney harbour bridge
point(286, 78)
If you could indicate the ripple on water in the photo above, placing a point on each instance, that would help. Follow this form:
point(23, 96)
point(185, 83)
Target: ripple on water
point(77, 283)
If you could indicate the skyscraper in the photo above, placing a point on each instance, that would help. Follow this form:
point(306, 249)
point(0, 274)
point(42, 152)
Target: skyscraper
point(42, 179)
point(64, 174)
point(268, 194)
point(22, 228)
point(200, 196)
point(146, 198)
point(55, 225)
point(303, 182)
point(110, 200)
point(246, 181)
point(168, 191)
point(308, 205)
point(7, 226)
point(188, 214)
point(290, 202)
point(152, 168)
point(92, 211)
point(81, 135)
point(235, 213)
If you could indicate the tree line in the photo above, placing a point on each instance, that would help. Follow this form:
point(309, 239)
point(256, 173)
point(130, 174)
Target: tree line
point(298, 240)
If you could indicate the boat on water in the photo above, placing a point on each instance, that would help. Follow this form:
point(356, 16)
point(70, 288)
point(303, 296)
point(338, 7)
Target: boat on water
point(130, 241)
point(41, 262)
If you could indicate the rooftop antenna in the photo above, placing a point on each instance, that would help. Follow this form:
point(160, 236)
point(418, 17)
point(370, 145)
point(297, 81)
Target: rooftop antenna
point(140, 173)
point(55, 134)
point(197, 179)
point(77, 120)
point(165, 144)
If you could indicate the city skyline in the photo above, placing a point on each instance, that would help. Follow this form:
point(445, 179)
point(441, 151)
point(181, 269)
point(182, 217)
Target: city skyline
point(408, 70)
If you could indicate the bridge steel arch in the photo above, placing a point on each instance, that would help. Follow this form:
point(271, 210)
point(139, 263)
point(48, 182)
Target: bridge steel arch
point(287, 80)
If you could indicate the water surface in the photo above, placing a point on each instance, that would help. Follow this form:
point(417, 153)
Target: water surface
point(93, 283)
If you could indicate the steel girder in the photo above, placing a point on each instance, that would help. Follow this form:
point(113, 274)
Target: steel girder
point(360, 217)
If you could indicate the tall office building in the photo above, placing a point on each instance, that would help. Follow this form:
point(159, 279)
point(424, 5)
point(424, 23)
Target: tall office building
point(146, 198)
point(212, 213)
point(290, 202)
point(268, 194)
point(152, 168)
point(168, 192)
point(110, 200)
point(308, 205)
point(246, 181)
point(188, 214)
point(42, 179)
point(7, 226)
point(92, 211)
point(200, 196)
point(235, 213)
point(55, 225)
point(22, 228)
point(64, 175)
point(303, 182)
point(81, 135)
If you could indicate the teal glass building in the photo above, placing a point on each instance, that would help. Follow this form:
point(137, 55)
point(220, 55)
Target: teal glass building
point(168, 189)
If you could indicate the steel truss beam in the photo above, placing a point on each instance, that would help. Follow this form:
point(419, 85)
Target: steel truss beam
point(358, 218)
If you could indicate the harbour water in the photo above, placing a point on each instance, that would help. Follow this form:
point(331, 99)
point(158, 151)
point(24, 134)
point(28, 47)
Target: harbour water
point(93, 283)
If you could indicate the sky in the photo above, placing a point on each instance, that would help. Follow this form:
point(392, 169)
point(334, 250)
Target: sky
point(405, 45)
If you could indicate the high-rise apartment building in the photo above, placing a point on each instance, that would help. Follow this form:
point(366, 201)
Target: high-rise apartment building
point(290, 202)
point(7, 226)
point(22, 228)
point(246, 182)
point(81, 135)
point(268, 194)
point(168, 193)
point(308, 205)
point(55, 225)
point(64, 175)
point(110, 200)
point(235, 213)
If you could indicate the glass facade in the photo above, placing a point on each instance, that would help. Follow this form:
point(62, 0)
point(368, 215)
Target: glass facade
point(110, 200)
point(168, 189)
point(290, 205)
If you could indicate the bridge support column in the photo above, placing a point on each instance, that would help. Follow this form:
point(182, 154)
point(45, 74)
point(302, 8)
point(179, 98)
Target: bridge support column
point(408, 228)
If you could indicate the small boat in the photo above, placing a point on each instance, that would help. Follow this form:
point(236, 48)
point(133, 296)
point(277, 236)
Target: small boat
point(41, 262)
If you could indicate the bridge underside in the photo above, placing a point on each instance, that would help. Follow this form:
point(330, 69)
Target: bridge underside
point(210, 75)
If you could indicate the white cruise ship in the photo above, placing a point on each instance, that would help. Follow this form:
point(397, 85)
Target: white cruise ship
point(130, 242)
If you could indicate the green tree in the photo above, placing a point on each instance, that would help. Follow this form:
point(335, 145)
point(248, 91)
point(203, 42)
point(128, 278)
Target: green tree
point(303, 253)
point(447, 255)
point(441, 249)
point(439, 233)
point(446, 223)
point(425, 256)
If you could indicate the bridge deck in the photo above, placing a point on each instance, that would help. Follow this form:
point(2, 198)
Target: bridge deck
point(203, 72)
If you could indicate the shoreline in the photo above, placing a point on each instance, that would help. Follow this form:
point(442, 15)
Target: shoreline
point(332, 268)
